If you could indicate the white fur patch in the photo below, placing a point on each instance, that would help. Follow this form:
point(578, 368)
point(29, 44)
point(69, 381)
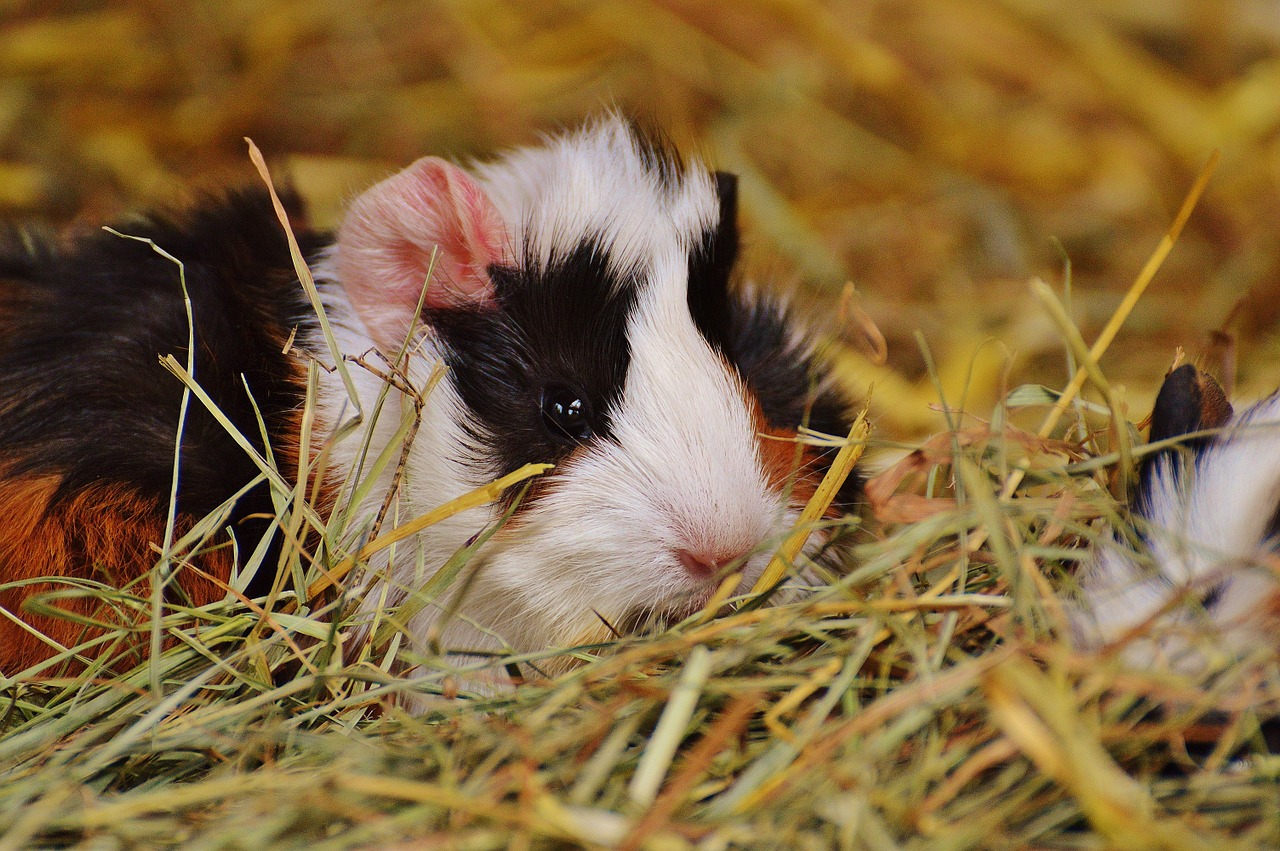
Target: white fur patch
point(595, 183)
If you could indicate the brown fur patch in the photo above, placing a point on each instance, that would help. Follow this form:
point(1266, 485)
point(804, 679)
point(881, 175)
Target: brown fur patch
point(1215, 409)
point(784, 466)
point(104, 533)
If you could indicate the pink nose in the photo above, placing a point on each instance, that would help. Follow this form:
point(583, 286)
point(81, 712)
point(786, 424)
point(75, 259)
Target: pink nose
point(704, 565)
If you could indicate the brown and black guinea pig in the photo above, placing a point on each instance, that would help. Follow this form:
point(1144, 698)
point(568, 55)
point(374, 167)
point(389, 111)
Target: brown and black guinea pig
point(580, 301)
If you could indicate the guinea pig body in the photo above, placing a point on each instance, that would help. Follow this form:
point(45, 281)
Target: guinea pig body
point(89, 417)
point(1207, 584)
point(580, 304)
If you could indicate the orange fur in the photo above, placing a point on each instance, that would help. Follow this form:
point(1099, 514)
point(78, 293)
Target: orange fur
point(104, 533)
point(782, 466)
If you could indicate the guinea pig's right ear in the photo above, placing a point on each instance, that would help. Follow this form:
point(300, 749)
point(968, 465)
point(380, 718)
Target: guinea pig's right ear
point(386, 241)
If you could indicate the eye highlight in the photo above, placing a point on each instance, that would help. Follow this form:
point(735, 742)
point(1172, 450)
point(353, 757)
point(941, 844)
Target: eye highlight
point(566, 414)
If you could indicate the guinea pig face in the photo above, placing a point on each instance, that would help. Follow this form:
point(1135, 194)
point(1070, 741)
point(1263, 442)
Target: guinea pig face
point(661, 482)
point(597, 331)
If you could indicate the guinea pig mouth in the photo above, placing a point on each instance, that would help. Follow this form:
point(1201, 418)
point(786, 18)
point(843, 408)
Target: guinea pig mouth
point(657, 617)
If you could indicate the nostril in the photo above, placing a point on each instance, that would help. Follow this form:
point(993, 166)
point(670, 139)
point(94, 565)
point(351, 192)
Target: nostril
point(703, 565)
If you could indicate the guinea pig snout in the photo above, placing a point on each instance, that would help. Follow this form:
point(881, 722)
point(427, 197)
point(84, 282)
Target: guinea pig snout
point(707, 562)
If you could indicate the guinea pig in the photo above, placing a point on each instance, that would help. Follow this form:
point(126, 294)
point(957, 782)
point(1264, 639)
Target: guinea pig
point(572, 303)
point(1206, 581)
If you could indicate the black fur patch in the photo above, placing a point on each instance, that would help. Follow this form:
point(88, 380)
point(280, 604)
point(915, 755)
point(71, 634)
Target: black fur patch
point(1189, 401)
point(787, 384)
point(754, 337)
point(84, 322)
point(564, 325)
point(1213, 595)
point(658, 152)
point(711, 268)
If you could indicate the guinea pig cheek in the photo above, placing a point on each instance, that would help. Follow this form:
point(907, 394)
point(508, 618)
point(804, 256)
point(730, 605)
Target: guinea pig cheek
point(540, 489)
point(788, 468)
point(793, 470)
point(581, 552)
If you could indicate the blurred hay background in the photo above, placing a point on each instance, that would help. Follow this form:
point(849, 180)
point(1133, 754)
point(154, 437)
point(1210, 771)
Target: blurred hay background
point(937, 153)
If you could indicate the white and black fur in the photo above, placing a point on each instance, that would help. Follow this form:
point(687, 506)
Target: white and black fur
point(1204, 586)
point(582, 305)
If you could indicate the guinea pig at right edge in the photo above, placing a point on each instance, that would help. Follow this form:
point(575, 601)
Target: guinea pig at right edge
point(1204, 584)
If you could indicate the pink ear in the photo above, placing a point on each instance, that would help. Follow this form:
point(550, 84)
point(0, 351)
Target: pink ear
point(386, 240)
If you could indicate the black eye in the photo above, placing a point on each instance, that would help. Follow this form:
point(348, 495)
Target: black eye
point(565, 413)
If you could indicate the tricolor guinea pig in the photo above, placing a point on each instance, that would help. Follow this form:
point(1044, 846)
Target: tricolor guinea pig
point(1205, 578)
point(579, 309)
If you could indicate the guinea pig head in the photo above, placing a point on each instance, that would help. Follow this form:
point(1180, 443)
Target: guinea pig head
point(587, 320)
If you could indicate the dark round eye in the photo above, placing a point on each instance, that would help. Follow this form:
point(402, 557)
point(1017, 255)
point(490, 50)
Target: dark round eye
point(565, 413)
